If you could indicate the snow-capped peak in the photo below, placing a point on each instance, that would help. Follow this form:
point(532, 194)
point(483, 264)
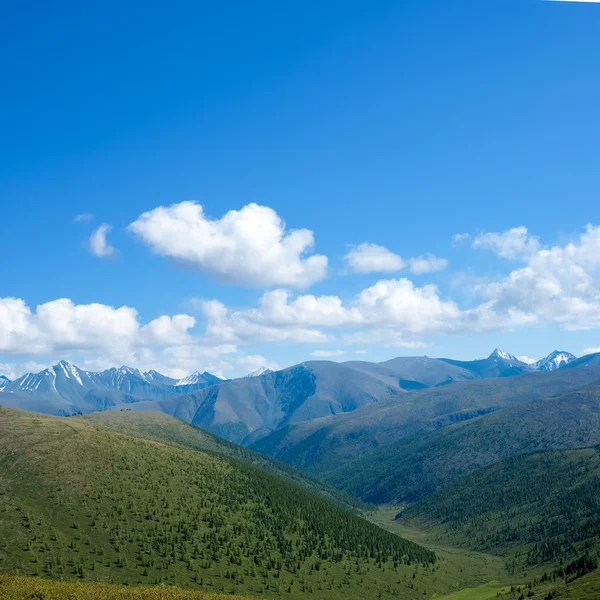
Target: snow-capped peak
point(69, 370)
point(260, 371)
point(554, 361)
point(197, 378)
point(3, 381)
point(499, 353)
point(191, 379)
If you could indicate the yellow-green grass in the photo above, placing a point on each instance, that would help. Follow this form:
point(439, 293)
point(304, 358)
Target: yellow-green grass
point(14, 587)
point(487, 591)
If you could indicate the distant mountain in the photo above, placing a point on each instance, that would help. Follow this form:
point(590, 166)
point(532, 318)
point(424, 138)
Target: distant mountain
point(64, 389)
point(243, 410)
point(588, 360)
point(498, 364)
point(413, 467)
point(4, 381)
point(197, 378)
point(323, 445)
point(554, 360)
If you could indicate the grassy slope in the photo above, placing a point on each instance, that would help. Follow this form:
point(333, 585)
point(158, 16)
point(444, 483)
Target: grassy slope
point(163, 428)
point(82, 502)
point(539, 509)
point(414, 467)
point(322, 445)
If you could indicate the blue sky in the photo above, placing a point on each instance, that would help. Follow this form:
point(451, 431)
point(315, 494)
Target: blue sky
point(396, 124)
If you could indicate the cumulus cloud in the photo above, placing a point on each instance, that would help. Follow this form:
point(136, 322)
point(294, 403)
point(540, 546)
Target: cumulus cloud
point(560, 284)
point(61, 324)
point(593, 350)
point(99, 336)
point(249, 246)
point(168, 330)
point(372, 258)
point(514, 243)
point(327, 353)
point(396, 306)
point(427, 264)
point(99, 245)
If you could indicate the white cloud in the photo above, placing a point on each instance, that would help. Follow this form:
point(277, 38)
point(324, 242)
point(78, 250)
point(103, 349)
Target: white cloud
point(99, 246)
point(83, 217)
point(558, 284)
point(249, 246)
point(427, 264)
point(15, 370)
point(252, 362)
point(371, 258)
point(327, 353)
point(61, 324)
point(593, 350)
point(97, 336)
point(514, 243)
point(458, 238)
point(399, 308)
point(527, 360)
point(168, 330)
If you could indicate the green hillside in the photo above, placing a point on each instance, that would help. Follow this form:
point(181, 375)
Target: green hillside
point(81, 502)
point(163, 428)
point(416, 466)
point(535, 509)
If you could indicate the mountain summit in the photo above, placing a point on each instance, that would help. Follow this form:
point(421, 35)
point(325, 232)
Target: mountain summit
point(260, 371)
point(500, 354)
point(554, 360)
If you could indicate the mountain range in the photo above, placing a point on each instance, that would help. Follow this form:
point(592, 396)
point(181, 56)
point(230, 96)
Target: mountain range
point(247, 409)
point(64, 389)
